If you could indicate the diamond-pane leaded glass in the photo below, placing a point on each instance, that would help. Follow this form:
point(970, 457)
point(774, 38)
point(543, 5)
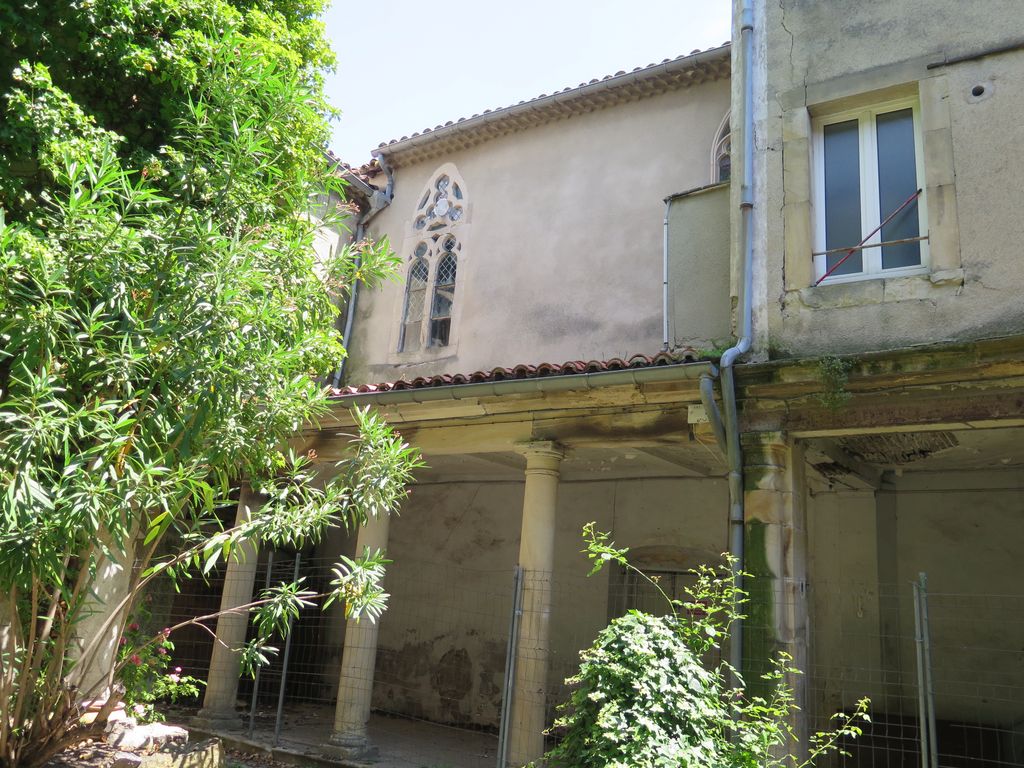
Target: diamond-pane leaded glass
point(446, 271)
point(416, 292)
point(414, 306)
point(419, 271)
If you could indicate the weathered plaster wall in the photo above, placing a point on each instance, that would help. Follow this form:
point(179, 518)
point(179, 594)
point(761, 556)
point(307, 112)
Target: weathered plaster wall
point(562, 240)
point(963, 530)
point(822, 56)
point(698, 249)
point(845, 637)
point(442, 643)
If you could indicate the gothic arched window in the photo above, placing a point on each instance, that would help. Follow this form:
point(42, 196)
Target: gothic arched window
point(440, 211)
point(721, 154)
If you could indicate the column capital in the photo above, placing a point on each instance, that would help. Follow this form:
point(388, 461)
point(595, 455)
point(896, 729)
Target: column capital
point(541, 454)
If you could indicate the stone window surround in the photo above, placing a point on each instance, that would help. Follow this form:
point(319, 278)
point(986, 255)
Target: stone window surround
point(460, 230)
point(799, 108)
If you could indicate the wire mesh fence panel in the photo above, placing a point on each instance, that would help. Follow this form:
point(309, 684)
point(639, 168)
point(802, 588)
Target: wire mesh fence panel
point(867, 642)
point(440, 653)
point(977, 672)
point(862, 645)
point(442, 644)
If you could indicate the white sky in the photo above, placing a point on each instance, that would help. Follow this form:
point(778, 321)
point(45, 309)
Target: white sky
point(404, 66)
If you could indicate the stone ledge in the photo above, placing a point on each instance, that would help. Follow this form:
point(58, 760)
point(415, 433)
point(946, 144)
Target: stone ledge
point(946, 282)
point(238, 743)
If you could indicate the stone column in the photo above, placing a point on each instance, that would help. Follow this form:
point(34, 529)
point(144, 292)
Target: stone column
point(355, 687)
point(537, 559)
point(109, 588)
point(225, 663)
point(776, 557)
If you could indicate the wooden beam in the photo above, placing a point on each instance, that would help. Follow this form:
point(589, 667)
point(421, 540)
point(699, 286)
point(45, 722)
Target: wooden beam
point(855, 474)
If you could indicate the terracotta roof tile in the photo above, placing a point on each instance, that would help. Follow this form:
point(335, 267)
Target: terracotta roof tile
point(523, 371)
point(365, 172)
point(696, 66)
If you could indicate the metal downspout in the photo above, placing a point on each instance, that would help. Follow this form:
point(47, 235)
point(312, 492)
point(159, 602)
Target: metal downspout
point(664, 279)
point(378, 204)
point(733, 451)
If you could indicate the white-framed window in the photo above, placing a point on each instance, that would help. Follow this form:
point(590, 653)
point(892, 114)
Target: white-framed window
point(869, 209)
point(432, 269)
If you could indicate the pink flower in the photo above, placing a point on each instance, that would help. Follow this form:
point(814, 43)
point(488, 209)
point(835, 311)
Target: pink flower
point(177, 670)
point(136, 659)
point(166, 631)
point(174, 678)
point(162, 651)
point(133, 627)
point(124, 641)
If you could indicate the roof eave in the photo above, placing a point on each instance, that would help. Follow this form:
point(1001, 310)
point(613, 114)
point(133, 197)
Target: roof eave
point(548, 107)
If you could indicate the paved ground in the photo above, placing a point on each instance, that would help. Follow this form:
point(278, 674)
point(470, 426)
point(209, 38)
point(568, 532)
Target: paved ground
point(401, 743)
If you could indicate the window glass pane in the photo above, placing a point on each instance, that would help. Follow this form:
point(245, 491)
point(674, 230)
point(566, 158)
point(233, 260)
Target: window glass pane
point(842, 195)
point(897, 180)
point(724, 167)
point(414, 304)
point(446, 270)
point(411, 336)
point(440, 331)
point(418, 273)
point(415, 294)
point(443, 299)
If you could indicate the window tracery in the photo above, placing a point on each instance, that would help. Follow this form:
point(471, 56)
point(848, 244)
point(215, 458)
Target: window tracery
point(433, 269)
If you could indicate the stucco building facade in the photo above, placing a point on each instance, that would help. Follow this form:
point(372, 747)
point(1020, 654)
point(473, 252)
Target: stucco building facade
point(574, 268)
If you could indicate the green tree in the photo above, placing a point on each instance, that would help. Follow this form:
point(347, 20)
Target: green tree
point(164, 327)
point(647, 695)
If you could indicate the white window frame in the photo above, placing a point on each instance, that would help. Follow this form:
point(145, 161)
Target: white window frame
point(870, 215)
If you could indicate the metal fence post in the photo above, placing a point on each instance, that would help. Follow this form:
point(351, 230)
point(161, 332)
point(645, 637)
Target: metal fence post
point(922, 707)
point(926, 655)
point(256, 677)
point(510, 664)
point(284, 666)
point(925, 690)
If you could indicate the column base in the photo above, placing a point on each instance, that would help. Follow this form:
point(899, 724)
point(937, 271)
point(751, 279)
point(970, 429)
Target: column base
point(350, 746)
point(217, 720)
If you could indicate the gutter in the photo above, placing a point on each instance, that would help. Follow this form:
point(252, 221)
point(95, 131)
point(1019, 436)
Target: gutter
point(378, 202)
point(541, 385)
